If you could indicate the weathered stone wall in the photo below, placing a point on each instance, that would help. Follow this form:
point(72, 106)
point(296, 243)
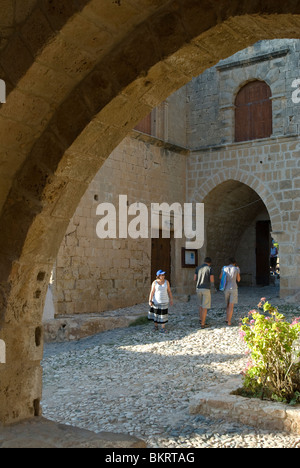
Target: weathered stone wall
point(80, 76)
point(94, 275)
point(211, 96)
point(268, 166)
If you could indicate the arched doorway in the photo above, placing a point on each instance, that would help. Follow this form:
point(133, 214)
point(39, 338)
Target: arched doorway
point(238, 225)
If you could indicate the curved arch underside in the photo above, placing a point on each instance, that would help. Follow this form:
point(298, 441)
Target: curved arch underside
point(80, 75)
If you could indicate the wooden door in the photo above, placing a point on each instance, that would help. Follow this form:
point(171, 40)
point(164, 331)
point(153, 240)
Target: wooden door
point(263, 253)
point(253, 113)
point(161, 257)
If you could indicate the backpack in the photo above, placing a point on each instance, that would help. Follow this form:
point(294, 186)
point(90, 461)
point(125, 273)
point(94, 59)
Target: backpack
point(223, 280)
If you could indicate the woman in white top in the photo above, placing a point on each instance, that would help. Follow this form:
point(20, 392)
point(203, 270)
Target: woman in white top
point(159, 300)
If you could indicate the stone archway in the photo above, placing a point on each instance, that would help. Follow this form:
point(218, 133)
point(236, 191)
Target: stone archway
point(71, 100)
point(248, 179)
point(233, 212)
point(247, 197)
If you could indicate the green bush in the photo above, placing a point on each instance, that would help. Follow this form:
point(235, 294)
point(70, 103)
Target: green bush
point(274, 347)
point(139, 321)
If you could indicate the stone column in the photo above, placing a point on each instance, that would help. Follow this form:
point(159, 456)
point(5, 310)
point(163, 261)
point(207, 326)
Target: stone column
point(289, 279)
point(21, 375)
point(22, 335)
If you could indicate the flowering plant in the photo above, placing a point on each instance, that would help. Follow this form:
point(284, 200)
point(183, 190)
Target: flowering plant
point(274, 345)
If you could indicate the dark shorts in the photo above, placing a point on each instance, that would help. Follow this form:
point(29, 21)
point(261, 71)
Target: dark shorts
point(273, 262)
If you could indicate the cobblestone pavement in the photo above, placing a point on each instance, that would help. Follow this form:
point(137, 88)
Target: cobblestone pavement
point(138, 381)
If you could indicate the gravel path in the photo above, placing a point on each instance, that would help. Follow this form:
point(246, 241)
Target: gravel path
point(138, 381)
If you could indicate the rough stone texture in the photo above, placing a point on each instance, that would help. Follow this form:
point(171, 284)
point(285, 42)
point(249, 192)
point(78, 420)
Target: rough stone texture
point(42, 433)
point(212, 94)
point(93, 276)
point(220, 403)
point(248, 171)
point(138, 67)
point(75, 327)
point(93, 384)
point(269, 167)
point(81, 326)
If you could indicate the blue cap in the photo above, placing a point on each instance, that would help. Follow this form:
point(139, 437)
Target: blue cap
point(160, 272)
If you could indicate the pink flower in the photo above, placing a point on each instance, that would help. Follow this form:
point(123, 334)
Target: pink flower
point(295, 321)
point(263, 299)
point(253, 311)
point(247, 368)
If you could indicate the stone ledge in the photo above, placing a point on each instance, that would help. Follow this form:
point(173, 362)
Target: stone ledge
point(217, 402)
point(42, 433)
point(75, 327)
point(82, 326)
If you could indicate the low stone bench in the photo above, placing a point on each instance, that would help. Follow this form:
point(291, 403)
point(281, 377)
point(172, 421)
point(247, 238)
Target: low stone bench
point(81, 326)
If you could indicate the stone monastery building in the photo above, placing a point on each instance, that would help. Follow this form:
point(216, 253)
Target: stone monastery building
point(228, 139)
point(77, 82)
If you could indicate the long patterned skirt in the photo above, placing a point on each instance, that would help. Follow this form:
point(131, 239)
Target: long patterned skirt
point(159, 314)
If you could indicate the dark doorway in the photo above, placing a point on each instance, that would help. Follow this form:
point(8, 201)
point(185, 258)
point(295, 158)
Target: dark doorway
point(263, 253)
point(161, 256)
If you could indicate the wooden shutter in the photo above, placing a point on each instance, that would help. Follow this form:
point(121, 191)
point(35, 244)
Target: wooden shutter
point(253, 113)
point(144, 125)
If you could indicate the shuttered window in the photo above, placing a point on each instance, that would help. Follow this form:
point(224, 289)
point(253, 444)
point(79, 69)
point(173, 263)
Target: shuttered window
point(253, 112)
point(144, 125)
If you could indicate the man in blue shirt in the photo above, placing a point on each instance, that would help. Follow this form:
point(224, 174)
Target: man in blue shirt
point(204, 278)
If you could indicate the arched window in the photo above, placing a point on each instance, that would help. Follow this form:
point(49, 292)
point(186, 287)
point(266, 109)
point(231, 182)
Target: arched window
point(253, 112)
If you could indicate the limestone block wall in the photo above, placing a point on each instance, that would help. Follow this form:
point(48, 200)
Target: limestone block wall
point(211, 95)
point(93, 275)
point(270, 168)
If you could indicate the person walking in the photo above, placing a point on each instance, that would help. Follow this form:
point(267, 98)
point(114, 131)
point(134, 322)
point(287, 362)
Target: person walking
point(233, 276)
point(273, 257)
point(159, 300)
point(204, 278)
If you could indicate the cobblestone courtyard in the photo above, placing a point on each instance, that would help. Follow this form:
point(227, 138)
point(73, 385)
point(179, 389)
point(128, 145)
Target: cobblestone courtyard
point(138, 381)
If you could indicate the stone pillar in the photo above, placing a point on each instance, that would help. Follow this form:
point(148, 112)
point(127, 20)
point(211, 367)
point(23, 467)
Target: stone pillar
point(21, 375)
point(22, 334)
point(289, 264)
